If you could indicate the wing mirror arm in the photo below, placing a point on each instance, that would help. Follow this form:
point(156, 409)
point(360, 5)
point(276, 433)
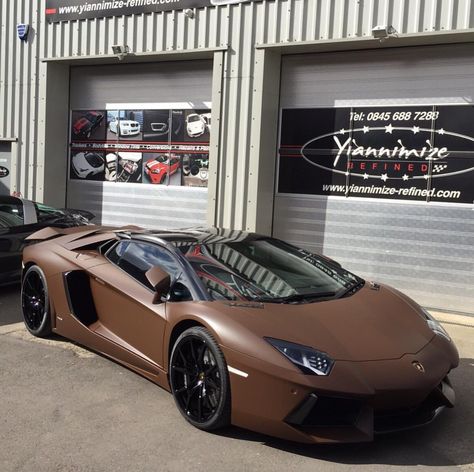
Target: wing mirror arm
point(161, 282)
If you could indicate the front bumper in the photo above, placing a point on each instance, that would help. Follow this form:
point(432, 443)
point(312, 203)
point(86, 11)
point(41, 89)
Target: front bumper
point(358, 418)
point(129, 131)
point(356, 401)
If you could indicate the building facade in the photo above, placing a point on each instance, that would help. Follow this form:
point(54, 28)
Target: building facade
point(343, 126)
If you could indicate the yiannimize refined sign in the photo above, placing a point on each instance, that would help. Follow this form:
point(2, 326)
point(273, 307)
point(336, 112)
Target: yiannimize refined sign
point(66, 10)
point(410, 152)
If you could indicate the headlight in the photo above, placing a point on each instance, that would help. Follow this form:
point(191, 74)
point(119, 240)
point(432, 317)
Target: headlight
point(435, 325)
point(308, 360)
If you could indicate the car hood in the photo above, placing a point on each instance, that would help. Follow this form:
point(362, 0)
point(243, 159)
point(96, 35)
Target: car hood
point(156, 165)
point(196, 125)
point(369, 325)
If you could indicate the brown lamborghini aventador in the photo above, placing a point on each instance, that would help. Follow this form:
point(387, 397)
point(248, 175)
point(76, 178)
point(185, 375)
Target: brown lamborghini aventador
point(243, 329)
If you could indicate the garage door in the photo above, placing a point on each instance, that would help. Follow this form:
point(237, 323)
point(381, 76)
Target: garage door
point(376, 166)
point(139, 142)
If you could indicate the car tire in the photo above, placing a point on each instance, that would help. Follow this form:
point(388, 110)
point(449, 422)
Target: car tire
point(163, 179)
point(35, 304)
point(199, 380)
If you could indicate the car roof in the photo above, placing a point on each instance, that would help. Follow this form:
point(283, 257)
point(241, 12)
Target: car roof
point(197, 235)
point(7, 199)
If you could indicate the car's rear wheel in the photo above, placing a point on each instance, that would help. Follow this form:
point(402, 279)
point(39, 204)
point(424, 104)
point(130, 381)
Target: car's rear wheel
point(35, 302)
point(199, 380)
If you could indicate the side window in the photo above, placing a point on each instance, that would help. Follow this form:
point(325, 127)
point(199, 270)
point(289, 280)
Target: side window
point(137, 258)
point(11, 214)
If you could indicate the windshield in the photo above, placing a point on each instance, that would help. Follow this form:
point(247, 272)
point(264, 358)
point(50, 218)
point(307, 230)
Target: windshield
point(45, 213)
point(92, 117)
point(94, 160)
point(162, 158)
point(267, 270)
point(192, 118)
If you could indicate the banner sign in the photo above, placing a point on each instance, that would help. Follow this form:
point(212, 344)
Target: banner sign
point(410, 152)
point(66, 10)
point(162, 146)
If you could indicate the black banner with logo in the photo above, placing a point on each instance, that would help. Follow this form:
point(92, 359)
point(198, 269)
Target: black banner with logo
point(66, 10)
point(411, 152)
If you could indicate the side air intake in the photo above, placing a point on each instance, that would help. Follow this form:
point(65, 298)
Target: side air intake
point(81, 303)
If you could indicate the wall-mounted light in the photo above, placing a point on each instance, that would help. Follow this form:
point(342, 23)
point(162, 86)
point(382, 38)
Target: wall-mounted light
point(120, 51)
point(189, 13)
point(383, 32)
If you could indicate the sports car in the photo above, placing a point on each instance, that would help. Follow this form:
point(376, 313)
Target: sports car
point(159, 168)
point(20, 218)
point(195, 125)
point(125, 127)
point(243, 329)
point(85, 126)
point(87, 164)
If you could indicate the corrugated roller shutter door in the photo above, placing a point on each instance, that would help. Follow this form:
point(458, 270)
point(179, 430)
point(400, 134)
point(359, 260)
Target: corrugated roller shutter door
point(424, 249)
point(184, 84)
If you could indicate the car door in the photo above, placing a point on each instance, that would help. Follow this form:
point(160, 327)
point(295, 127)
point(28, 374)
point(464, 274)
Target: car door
point(174, 164)
point(17, 221)
point(124, 299)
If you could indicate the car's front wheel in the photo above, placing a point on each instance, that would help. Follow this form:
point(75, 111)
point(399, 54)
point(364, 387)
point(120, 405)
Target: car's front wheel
point(35, 302)
point(199, 380)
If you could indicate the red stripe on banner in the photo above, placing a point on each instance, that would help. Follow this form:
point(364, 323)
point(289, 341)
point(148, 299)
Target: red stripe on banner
point(51, 11)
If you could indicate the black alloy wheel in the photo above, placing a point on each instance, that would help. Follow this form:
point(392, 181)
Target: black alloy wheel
point(35, 302)
point(199, 380)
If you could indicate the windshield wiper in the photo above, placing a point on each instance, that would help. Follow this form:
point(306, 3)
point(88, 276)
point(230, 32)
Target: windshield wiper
point(297, 297)
point(352, 289)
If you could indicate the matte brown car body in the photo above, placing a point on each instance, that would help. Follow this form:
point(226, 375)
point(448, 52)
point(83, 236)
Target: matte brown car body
point(376, 337)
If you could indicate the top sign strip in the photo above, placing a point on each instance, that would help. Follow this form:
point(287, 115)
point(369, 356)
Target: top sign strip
point(68, 10)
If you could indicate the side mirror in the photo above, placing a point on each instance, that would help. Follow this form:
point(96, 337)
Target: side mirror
point(160, 281)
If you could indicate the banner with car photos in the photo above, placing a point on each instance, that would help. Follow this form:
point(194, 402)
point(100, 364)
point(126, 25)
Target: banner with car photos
point(156, 147)
point(421, 153)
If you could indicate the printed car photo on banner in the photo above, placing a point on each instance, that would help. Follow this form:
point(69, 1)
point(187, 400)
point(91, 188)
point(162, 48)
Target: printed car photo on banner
point(197, 125)
point(111, 166)
point(126, 125)
point(156, 125)
point(85, 165)
point(88, 125)
point(421, 153)
point(195, 170)
point(162, 168)
point(129, 167)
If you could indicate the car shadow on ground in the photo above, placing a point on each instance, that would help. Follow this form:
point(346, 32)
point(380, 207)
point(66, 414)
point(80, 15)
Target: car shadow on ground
point(445, 442)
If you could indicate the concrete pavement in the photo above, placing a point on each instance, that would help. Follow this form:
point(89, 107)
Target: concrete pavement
point(64, 408)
